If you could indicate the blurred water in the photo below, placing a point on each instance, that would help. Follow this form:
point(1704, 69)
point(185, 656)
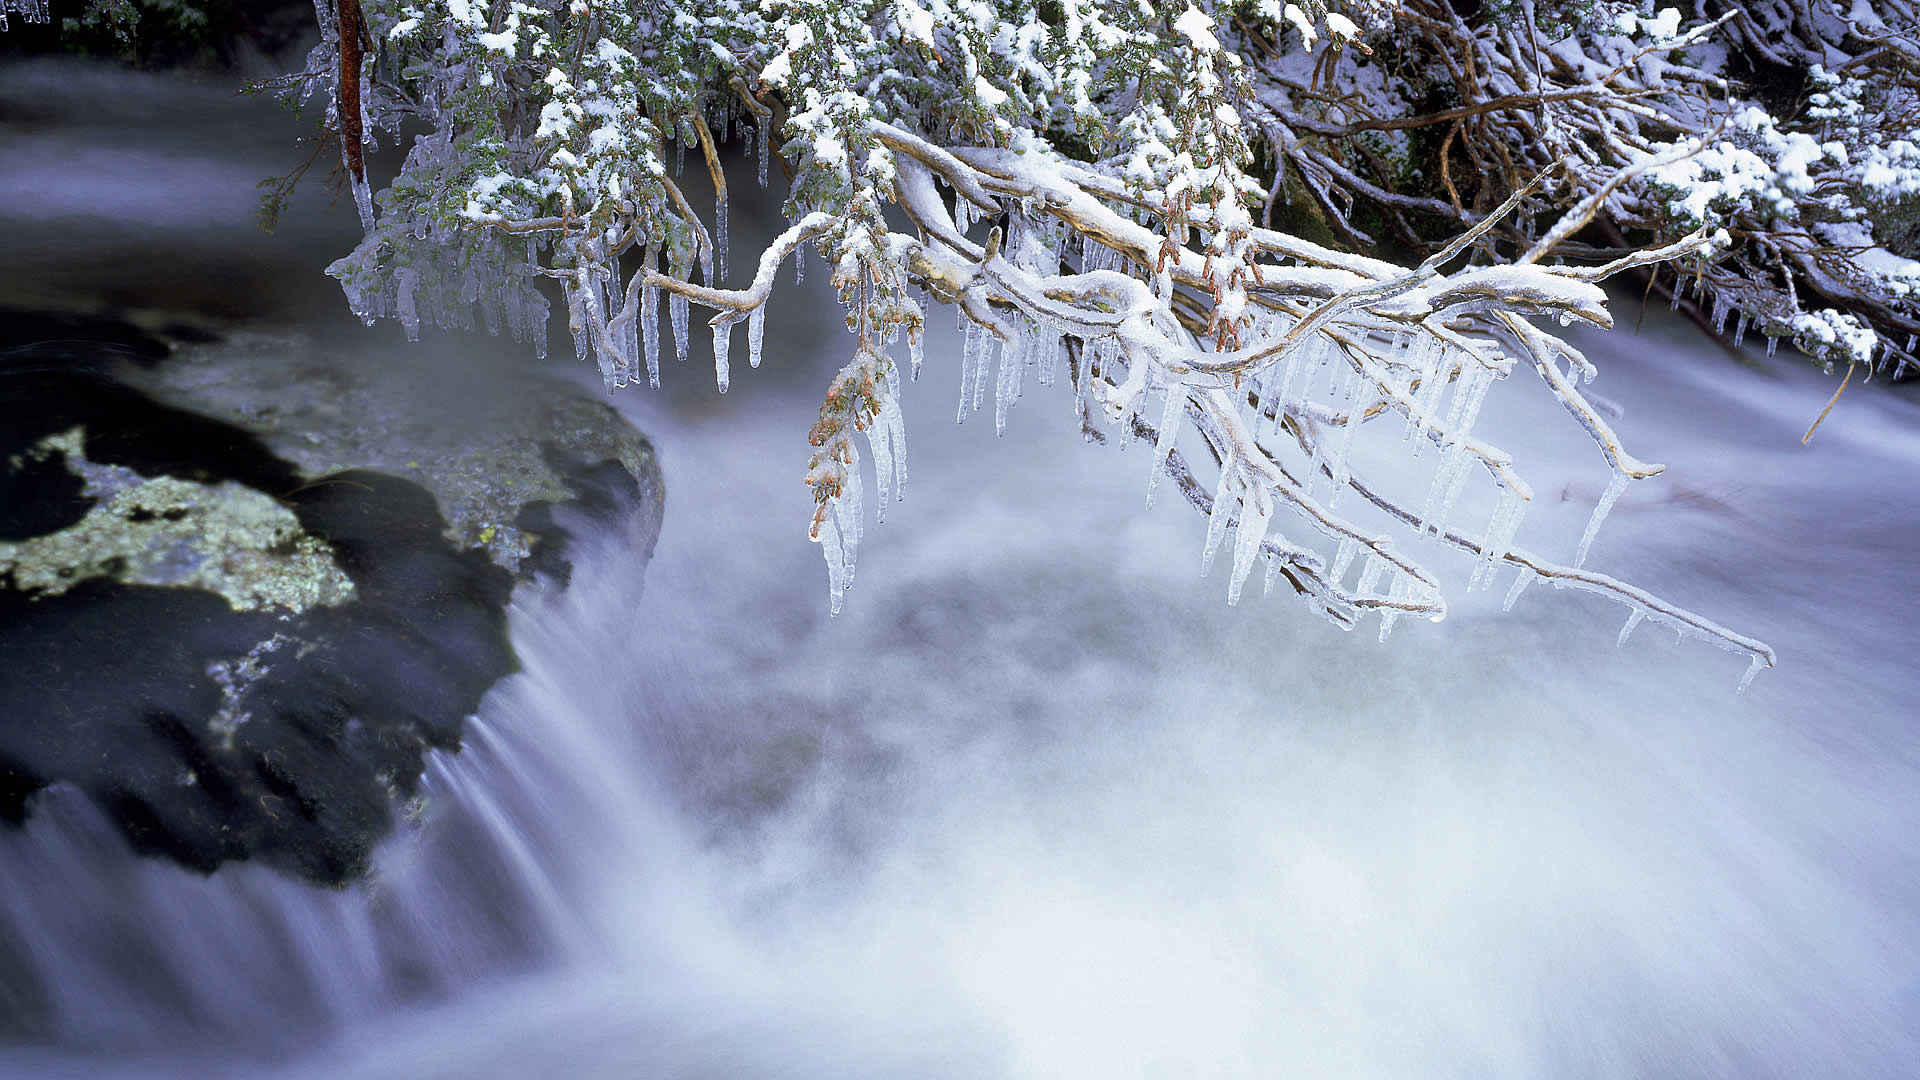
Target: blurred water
point(1040, 805)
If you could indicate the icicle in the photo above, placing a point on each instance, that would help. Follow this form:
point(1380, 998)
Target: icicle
point(650, 332)
point(362, 191)
point(1048, 361)
point(831, 547)
point(1615, 487)
point(962, 213)
point(969, 344)
point(1003, 385)
point(1273, 575)
point(1170, 416)
point(1317, 465)
point(650, 318)
point(1438, 376)
point(722, 337)
point(1451, 477)
point(1500, 530)
point(403, 284)
point(1442, 482)
point(720, 239)
point(896, 425)
point(630, 345)
point(800, 265)
point(1022, 348)
point(916, 351)
point(1369, 574)
point(677, 307)
point(1426, 361)
point(1255, 513)
point(761, 127)
point(880, 444)
point(1476, 396)
point(1679, 286)
point(981, 363)
point(1516, 512)
point(1390, 616)
point(1754, 664)
point(1342, 559)
point(1773, 346)
point(1633, 620)
point(1217, 519)
point(1520, 583)
point(848, 505)
point(577, 323)
point(1294, 357)
point(1355, 382)
point(1462, 468)
point(1739, 329)
point(756, 333)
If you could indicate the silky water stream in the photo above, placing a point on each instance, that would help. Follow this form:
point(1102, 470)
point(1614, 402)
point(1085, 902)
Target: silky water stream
point(1040, 805)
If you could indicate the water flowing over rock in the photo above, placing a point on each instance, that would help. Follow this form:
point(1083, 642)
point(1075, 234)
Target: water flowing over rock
point(246, 584)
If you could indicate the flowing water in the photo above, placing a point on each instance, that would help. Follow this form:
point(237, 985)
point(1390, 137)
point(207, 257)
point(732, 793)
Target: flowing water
point(1040, 805)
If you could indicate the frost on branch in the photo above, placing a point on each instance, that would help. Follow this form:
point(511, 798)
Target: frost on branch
point(1091, 186)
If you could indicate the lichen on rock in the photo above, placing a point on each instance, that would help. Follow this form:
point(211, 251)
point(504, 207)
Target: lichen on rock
point(226, 538)
point(474, 429)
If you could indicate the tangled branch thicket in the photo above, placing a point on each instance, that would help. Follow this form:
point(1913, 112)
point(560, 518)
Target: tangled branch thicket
point(1169, 209)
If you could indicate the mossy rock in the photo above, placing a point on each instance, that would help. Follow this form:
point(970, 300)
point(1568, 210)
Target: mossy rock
point(247, 586)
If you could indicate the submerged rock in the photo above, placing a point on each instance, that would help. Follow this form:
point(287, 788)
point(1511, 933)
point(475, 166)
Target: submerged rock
point(246, 585)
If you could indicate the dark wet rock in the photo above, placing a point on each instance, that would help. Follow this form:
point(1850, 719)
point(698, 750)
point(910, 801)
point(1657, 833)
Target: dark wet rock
point(246, 585)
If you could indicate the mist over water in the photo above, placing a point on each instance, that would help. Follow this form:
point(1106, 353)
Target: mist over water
point(1039, 804)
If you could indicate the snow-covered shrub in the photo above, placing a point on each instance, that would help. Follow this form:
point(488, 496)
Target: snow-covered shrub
point(1792, 124)
point(1089, 185)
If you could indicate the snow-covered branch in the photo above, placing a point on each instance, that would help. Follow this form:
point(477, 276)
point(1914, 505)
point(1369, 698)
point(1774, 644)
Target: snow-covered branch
point(1079, 182)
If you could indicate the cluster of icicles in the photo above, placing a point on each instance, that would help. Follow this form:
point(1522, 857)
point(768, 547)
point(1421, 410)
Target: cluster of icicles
point(1333, 386)
point(1327, 386)
point(1724, 308)
point(838, 532)
point(486, 284)
point(634, 343)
